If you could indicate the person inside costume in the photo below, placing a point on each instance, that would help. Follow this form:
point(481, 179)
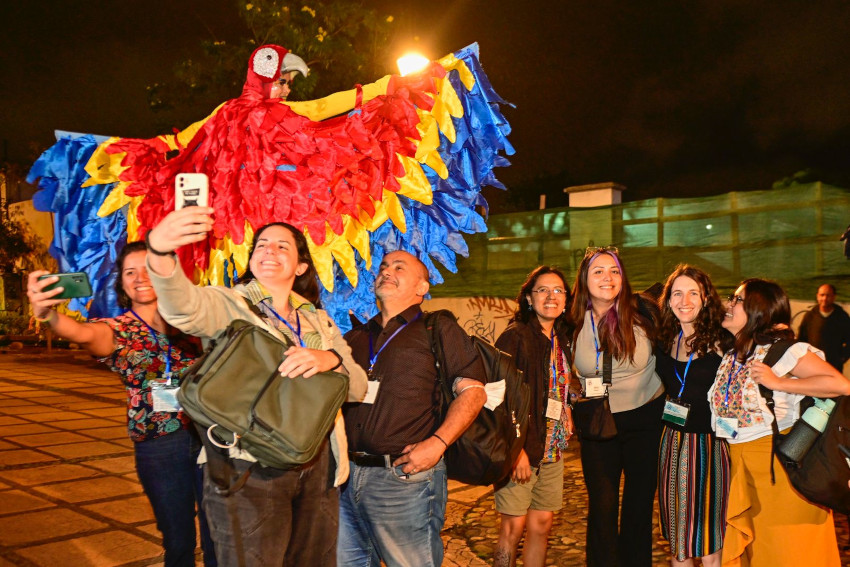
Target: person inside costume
point(767, 522)
point(609, 323)
point(261, 515)
point(693, 467)
point(538, 339)
point(151, 357)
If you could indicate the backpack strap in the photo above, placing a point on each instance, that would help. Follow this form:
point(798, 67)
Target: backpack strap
point(774, 353)
point(444, 391)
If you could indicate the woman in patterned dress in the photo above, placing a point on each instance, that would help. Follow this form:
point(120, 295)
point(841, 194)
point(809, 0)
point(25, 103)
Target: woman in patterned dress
point(150, 356)
point(693, 468)
point(767, 522)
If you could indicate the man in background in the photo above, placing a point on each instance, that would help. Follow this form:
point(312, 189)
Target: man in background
point(827, 327)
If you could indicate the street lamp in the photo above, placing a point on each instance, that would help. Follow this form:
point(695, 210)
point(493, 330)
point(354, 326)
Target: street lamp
point(411, 63)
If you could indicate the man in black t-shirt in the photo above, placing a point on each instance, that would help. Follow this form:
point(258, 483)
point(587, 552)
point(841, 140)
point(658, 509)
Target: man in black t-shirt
point(827, 327)
point(393, 506)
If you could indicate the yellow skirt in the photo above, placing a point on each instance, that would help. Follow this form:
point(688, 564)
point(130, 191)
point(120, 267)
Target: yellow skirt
point(772, 525)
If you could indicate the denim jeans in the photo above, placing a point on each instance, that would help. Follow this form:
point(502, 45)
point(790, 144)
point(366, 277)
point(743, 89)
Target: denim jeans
point(169, 473)
point(278, 518)
point(386, 517)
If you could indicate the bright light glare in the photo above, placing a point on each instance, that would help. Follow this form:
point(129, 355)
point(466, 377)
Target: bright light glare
point(411, 63)
point(709, 227)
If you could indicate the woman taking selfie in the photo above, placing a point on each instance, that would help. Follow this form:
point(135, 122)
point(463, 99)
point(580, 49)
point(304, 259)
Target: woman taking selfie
point(693, 468)
point(260, 512)
point(151, 358)
point(767, 522)
point(609, 326)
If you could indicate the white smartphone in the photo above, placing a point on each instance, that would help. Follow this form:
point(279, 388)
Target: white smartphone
point(191, 190)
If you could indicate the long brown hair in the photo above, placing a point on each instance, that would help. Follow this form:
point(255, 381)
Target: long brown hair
point(616, 333)
point(524, 310)
point(708, 332)
point(768, 316)
point(307, 284)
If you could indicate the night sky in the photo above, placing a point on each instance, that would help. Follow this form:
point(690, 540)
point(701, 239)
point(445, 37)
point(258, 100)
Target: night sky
point(670, 98)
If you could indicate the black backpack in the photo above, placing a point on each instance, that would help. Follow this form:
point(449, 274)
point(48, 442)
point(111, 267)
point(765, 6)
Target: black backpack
point(821, 475)
point(486, 452)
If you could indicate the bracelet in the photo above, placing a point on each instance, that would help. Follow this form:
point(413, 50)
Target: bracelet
point(338, 356)
point(441, 440)
point(44, 319)
point(151, 249)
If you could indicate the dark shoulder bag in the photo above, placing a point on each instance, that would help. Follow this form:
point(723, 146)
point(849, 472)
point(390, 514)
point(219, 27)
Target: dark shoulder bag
point(592, 416)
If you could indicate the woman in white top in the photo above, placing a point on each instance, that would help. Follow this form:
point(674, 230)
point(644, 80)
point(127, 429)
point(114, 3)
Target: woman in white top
point(608, 320)
point(768, 523)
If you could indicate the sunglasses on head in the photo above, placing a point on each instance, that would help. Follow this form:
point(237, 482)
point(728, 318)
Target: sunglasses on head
point(591, 251)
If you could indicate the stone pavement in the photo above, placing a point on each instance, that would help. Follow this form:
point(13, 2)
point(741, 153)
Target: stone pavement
point(69, 493)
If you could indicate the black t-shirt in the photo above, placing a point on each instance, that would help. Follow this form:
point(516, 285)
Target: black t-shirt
point(403, 412)
point(699, 379)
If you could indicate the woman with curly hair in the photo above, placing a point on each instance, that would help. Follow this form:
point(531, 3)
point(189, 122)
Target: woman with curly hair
point(767, 522)
point(693, 468)
point(609, 325)
point(538, 338)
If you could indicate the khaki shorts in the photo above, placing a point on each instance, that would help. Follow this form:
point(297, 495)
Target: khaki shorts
point(544, 492)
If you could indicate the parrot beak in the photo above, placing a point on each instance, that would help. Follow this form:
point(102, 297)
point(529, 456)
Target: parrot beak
point(292, 62)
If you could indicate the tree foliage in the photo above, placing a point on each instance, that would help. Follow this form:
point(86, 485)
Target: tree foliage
point(342, 42)
point(15, 240)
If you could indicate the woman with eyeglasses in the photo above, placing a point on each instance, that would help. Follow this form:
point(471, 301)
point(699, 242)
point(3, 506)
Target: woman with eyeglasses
point(693, 468)
point(610, 323)
point(538, 338)
point(767, 522)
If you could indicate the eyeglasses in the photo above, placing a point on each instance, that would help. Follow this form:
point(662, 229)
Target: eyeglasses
point(734, 300)
point(593, 250)
point(546, 291)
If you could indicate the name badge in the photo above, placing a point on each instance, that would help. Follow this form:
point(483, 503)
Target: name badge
point(726, 427)
point(164, 397)
point(593, 388)
point(675, 412)
point(554, 409)
point(371, 391)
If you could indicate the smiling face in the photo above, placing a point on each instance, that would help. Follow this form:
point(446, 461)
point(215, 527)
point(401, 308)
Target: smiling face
point(134, 279)
point(735, 318)
point(686, 300)
point(281, 88)
point(274, 259)
point(604, 280)
point(402, 279)
point(548, 297)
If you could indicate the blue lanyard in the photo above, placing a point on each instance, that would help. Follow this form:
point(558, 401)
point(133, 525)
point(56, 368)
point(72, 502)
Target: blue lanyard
point(554, 358)
point(373, 356)
point(732, 375)
point(687, 367)
point(155, 336)
point(297, 333)
point(595, 341)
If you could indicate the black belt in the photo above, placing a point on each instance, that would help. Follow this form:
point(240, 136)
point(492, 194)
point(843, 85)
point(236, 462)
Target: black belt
point(367, 460)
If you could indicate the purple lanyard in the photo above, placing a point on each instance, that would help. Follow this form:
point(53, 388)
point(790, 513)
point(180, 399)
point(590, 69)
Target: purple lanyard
point(373, 356)
point(732, 375)
point(297, 333)
point(155, 336)
point(595, 341)
point(687, 367)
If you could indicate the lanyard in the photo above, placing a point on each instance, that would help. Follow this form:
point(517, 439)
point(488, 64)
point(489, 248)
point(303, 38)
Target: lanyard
point(553, 360)
point(297, 333)
point(595, 341)
point(155, 336)
point(682, 379)
point(373, 356)
point(732, 375)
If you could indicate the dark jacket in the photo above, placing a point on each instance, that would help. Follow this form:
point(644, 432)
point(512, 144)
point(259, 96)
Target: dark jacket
point(530, 349)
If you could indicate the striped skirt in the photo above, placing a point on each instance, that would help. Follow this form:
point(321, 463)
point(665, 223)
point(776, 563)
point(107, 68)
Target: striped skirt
point(693, 489)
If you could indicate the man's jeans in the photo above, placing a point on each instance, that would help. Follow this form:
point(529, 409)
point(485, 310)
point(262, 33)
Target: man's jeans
point(169, 473)
point(385, 516)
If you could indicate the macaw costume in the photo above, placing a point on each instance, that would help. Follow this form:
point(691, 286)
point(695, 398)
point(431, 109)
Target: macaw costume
point(396, 164)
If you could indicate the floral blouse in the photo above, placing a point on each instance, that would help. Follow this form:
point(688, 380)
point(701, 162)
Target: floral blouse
point(556, 438)
point(139, 358)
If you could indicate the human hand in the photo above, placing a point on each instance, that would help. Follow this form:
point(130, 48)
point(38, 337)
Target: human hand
point(420, 456)
point(763, 374)
point(41, 300)
point(522, 469)
point(307, 362)
point(568, 422)
point(179, 228)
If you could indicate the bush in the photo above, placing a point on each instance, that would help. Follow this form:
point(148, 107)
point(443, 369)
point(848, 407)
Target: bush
point(13, 323)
